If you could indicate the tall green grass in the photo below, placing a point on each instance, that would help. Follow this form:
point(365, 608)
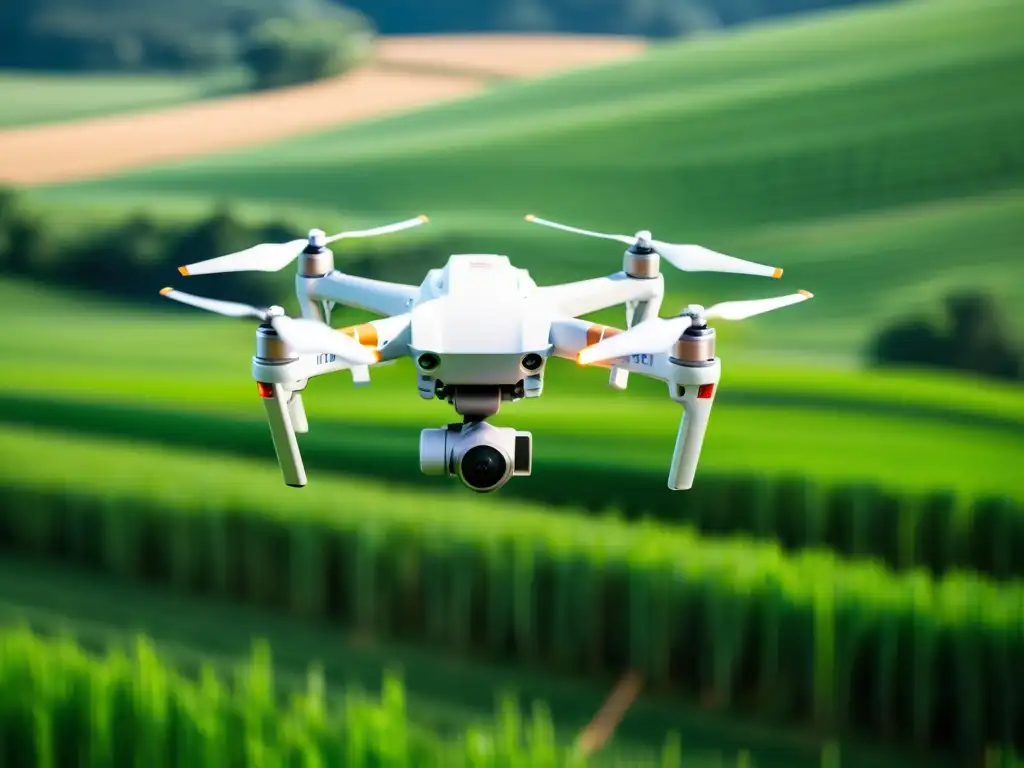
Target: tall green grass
point(938, 531)
point(60, 706)
point(847, 645)
point(446, 692)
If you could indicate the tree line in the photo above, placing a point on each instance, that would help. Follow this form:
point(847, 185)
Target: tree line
point(132, 259)
point(284, 41)
point(278, 42)
point(652, 18)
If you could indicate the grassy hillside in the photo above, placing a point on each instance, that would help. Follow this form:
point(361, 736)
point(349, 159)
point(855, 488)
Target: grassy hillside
point(36, 99)
point(830, 425)
point(875, 155)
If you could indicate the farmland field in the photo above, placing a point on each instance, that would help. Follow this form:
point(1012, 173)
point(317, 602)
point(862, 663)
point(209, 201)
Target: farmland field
point(404, 75)
point(717, 141)
point(130, 704)
point(30, 99)
point(847, 561)
point(444, 692)
point(114, 523)
point(826, 424)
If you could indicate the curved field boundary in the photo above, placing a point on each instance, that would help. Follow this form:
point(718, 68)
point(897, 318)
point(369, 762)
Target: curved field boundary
point(507, 56)
point(407, 73)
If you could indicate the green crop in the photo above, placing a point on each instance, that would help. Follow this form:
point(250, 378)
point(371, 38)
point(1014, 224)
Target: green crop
point(937, 530)
point(60, 706)
point(845, 644)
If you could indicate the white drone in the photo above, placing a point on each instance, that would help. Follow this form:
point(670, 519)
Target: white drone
point(480, 333)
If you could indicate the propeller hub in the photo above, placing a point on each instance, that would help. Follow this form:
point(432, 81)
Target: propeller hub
point(275, 311)
point(696, 313)
point(643, 238)
point(317, 238)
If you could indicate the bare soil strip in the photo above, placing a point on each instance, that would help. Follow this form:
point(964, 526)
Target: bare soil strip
point(90, 148)
point(105, 146)
point(506, 55)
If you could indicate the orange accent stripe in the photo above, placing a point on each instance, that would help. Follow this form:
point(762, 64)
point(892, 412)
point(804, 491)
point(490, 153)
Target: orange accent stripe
point(808, 294)
point(597, 332)
point(777, 273)
point(183, 271)
point(364, 333)
point(165, 291)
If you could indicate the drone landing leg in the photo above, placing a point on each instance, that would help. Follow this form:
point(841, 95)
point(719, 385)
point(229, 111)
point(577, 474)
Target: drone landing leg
point(276, 401)
point(693, 387)
point(297, 412)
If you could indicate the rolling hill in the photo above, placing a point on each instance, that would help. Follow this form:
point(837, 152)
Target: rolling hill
point(874, 154)
point(33, 99)
point(404, 74)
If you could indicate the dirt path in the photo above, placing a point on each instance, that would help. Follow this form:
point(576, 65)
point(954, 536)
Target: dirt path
point(408, 73)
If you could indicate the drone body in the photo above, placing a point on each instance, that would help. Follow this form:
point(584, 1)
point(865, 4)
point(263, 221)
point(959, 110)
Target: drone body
point(481, 332)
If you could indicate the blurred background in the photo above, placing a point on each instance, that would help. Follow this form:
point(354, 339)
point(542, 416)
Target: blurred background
point(842, 586)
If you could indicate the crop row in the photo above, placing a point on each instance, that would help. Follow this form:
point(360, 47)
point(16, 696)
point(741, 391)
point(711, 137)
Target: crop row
point(938, 531)
point(60, 706)
point(808, 636)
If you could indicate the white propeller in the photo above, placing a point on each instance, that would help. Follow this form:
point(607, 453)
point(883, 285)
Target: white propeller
point(688, 258)
point(304, 335)
point(272, 257)
point(658, 334)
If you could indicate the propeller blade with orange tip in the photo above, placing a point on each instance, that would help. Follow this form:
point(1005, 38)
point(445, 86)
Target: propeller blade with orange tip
point(688, 258)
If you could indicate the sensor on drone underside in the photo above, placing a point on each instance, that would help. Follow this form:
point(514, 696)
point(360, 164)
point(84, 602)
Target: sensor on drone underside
point(482, 456)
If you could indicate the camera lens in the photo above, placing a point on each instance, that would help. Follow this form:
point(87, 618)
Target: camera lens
point(532, 361)
point(428, 361)
point(483, 467)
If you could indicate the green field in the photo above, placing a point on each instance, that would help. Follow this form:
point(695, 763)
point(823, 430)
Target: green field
point(463, 575)
point(38, 99)
point(444, 692)
point(95, 709)
point(847, 559)
point(878, 169)
point(827, 424)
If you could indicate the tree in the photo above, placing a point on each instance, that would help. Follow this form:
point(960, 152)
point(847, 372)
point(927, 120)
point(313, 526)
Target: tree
point(973, 335)
point(283, 52)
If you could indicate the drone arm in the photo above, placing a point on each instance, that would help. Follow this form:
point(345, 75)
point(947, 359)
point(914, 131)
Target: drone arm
point(693, 387)
point(570, 336)
point(586, 296)
point(636, 312)
point(386, 335)
point(376, 296)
